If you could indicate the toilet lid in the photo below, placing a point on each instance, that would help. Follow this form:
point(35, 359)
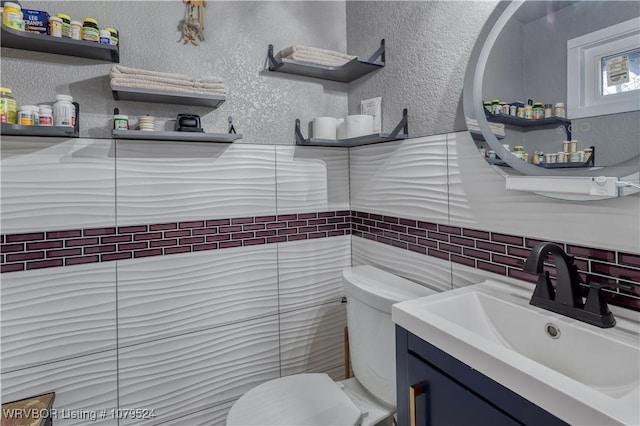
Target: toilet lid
point(300, 400)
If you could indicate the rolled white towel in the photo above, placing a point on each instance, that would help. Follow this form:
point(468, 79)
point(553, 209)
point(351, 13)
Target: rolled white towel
point(315, 55)
point(133, 83)
point(122, 71)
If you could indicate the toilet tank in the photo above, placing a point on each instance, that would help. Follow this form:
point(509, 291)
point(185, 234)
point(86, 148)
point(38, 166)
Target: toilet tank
point(370, 294)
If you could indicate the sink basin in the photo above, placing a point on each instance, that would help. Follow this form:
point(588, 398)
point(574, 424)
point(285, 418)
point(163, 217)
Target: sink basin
point(580, 373)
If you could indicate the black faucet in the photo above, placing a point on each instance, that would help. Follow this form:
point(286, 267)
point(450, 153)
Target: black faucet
point(566, 298)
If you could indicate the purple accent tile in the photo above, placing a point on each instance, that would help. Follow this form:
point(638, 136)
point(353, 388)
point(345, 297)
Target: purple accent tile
point(116, 239)
point(408, 238)
point(476, 253)
point(223, 237)
point(269, 233)
point(462, 241)
point(115, 256)
point(399, 228)
point(438, 236)
point(82, 242)
point(498, 248)
point(509, 261)
point(44, 245)
point(508, 239)
point(92, 232)
point(326, 227)
point(362, 215)
point(343, 226)
point(635, 291)
point(629, 259)
point(253, 227)
point(450, 248)
point(229, 244)
point(72, 233)
point(281, 239)
point(163, 226)
point(367, 229)
point(171, 242)
point(307, 229)
point(438, 253)
point(517, 251)
point(17, 238)
point(582, 265)
point(418, 232)
point(100, 249)
point(242, 235)
point(187, 241)
point(392, 235)
point(132, 229)
point(455, 230)
point(133, 246)
point(370, 222)
point(191, 224)
point(287, 217)
point(147, 236)
point(607, 256)
point(616, 271)
point(369, 237)
point(307, 216)
point(52, 263)
point(427, 243)
point(176, 250)
point(391, 219)
point(427, 225)
point(335, 233)
point(521, 275)
point(229, 229)
point(296, 223)
point(463, 260)
point(376, 217)
point(218, 222)
point(343, 213)
point(317, 221)
point(204, 231)
point(64, 252)
point(241, 220)
point(20, 257)
point(623, 301)
point(335, 220)
point(383, 240)
point(276, 225)
point(81, 260)
point(12, 267)
point(8, 248)
point(182, 233)
point(400, 244)
point(318, 235)
point(383, 225)
point(417, 249)
point(483, 235)
point(326, 214)
point(263, 219)
point(532, 242)
point(491, 267)
point(253, 242)
point(408, 222)
point(147, 253)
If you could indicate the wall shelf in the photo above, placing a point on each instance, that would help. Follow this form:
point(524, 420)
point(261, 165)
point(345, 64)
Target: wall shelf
point(176, 136)
point(478, 136)
point(350, 71)
point(44, 131)
point(166, 97)
point(403, 126)
point(58, 45)
point(523, 123)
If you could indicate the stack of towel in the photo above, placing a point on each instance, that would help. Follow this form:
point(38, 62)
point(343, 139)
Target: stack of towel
point(145, 79)
point(496, 128)
point(315, 56)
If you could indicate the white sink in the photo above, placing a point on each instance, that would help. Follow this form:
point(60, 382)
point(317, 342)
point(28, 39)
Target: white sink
point(584, 375)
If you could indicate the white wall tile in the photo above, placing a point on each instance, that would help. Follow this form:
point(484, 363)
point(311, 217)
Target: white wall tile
point(53, 184)
point(312, 339)
point(56, 313)
point(479, 200)
point(406, 179)
point(177, 181)
point(310, 271)
point(214, 416)
point(86, 384)
point(312, 179)
point(171, 295)
point(195, 371)
point(429, 271)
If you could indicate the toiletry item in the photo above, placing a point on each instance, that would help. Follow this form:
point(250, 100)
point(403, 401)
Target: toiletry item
point(114, 35)
point(373, 107)
point(538, 111)
point(76, 30)
point(55, 26)
point(483, 151)
point(121, 122)
point(8, 107)
point(504, 107)
point(513, 110)
point(576, 157)
point(566, 146)
point(559, 110)
point(528, 112)
point(487, 105)
point(324, 128)
point(45, 115)
point(35, 21)
point(521, 112)
point(90, 31)
point(12, 16)
point(495, 103)
point(518, 151)
point(548, 110)
point(573, 146)
point(492, 154)
point(66, 24)
point(64, 112)
point(27, 115)
point(562, 157)
point(358, 125)
point(105, 37)
point(147, 123)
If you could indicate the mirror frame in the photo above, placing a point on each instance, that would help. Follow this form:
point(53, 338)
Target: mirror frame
point(474, 108)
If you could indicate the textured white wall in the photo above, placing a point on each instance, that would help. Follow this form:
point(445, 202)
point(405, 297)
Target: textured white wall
point(264, 105)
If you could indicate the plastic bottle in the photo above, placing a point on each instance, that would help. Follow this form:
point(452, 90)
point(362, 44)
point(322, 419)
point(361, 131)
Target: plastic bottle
point(66, 24)
point(114, 35)
point(45, 116)
point(64, 112)
point(55, 26)
point(90, 31)
point(76, 30)
point(8, 107)
point(105, 37)
point(12, 16)
point(27, 115)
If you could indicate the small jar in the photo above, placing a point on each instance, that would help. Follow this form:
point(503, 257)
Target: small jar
point(505, 108)
point(487, 105)
point(76, 30)
point(64, 111)
point(66, 24)
point(121, 122)
point(548, 110)
point(45, 117)
point(55, 26)
point(90, 31)
point(495, 104)
point(518, 151)
point(114, 35)
point(573, 146)
point(566, 146)
point(528, 112)
point(491, 154)
point(521, 112)
point(538, 110)
point(559, 110)
point(27, 115)
point(8, 107)
point(562, 157)
point(513, 110)
point(12, 16)
point(105, 37)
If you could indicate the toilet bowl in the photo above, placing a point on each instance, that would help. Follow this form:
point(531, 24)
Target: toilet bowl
point(367, 399)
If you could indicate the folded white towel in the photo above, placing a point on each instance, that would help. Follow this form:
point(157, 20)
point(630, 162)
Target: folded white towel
point(148, 79)
point(315, 55)
point(134, 83)
point(122, 71)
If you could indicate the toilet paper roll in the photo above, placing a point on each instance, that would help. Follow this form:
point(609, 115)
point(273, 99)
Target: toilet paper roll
point(358, 125)
point(324, 128)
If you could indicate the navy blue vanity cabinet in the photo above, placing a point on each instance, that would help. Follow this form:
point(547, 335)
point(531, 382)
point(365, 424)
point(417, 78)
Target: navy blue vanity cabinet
point(435, 389)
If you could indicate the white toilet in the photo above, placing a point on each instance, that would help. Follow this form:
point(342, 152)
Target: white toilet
point(367, 399)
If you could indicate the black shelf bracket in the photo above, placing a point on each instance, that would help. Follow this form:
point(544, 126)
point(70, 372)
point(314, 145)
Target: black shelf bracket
point(402, 125)
point(232, 130)
point(378, 54)
point(273, 62)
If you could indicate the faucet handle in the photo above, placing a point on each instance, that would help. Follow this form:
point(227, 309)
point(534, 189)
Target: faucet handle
point(595, 304)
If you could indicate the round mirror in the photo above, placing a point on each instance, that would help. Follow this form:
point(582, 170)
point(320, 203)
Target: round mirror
point(552, 88)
